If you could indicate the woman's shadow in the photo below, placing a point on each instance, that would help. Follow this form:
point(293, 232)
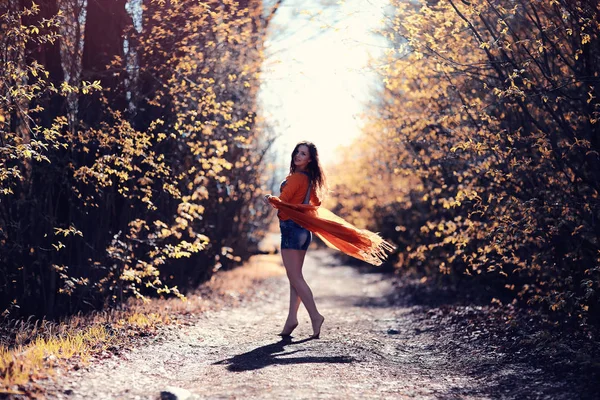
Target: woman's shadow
point(271, 354)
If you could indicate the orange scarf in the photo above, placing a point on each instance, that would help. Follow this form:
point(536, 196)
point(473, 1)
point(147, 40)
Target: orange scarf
point(335, 232)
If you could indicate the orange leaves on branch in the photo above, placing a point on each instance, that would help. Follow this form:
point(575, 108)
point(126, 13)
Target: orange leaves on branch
point(483, 133)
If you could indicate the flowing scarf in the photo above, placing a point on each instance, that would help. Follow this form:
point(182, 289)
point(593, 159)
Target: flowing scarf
point(335, 232)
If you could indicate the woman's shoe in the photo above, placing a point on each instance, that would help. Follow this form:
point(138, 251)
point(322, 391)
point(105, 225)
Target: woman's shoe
point(317, 332)
point(290, 330)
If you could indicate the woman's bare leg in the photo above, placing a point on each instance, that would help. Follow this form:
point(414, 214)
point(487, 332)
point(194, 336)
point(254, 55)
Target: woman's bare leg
point(293, 261)
point(292, 319)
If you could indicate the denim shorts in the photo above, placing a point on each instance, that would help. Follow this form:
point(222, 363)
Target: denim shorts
point(293, 236)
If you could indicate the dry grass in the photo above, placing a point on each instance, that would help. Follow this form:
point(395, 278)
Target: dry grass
point(58, 344)
point(31, 350)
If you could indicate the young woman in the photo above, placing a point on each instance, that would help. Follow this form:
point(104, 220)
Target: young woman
point(303, 185)
point(300, 213)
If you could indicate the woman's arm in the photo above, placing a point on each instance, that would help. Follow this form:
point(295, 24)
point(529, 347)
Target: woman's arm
point(294, 183)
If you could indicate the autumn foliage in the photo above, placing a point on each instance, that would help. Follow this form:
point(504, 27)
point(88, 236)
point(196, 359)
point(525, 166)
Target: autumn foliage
point(484, 147)
point(131, 155)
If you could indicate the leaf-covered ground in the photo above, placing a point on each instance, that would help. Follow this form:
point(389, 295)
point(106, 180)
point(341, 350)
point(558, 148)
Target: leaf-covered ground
point(382, 338)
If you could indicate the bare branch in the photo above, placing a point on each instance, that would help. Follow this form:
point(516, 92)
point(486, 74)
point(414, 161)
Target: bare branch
point(267, 20)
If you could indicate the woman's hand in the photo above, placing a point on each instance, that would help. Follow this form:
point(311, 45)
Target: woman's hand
point(266, 199)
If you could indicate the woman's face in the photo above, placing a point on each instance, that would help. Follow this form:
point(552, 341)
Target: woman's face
point(302, 157)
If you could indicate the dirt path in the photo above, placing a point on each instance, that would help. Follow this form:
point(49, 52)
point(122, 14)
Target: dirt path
point(369, 349)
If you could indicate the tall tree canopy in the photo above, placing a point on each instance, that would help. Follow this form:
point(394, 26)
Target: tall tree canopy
point(487, 132)
point(130, 153)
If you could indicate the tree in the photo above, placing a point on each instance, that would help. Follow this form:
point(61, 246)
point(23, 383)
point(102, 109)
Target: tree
point(106, 22)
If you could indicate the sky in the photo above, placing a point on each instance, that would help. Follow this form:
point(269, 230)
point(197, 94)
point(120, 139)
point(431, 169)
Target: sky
point(316, 79)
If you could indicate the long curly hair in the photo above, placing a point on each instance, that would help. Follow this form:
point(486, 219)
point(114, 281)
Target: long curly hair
point(317, 176)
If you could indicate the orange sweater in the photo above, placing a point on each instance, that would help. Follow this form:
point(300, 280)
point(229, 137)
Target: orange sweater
point(293, 191)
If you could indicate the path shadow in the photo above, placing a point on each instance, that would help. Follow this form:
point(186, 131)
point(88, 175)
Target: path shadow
point(410, 292)
point(273, 354)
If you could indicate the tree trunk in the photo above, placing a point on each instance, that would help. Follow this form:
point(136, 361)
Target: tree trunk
point(105, 23)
